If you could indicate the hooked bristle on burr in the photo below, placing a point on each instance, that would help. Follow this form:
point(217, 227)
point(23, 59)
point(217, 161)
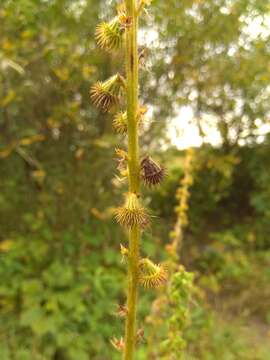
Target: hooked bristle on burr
point(106, 95)
point(152, 275)
point(109, 35)
point(132, 213)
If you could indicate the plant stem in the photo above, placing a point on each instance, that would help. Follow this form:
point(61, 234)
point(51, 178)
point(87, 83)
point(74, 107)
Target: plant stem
point(131, 52)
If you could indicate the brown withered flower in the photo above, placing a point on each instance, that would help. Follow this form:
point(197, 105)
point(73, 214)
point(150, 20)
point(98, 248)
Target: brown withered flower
point(152, 173)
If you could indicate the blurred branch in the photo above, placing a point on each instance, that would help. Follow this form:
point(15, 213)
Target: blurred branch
point(27, 158)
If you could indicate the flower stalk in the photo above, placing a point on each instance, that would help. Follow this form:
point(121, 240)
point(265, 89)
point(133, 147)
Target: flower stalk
point(131, 58)
point(121, 32)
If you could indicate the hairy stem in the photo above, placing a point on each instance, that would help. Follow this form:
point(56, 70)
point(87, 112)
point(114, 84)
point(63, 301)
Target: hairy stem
point(134, 178)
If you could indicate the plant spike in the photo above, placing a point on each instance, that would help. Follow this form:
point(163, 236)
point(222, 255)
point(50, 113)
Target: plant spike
point(181, 210)
point(131, 60)
point(132, 215)
point(173, 306)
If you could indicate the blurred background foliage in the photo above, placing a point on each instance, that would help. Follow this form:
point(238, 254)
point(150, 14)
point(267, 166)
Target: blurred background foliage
point(60, 267)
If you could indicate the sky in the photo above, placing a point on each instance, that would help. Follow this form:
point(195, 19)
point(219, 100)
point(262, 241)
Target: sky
point(183, 133)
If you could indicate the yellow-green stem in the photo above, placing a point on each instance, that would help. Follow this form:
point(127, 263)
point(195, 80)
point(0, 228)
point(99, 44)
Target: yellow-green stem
point(134, 176)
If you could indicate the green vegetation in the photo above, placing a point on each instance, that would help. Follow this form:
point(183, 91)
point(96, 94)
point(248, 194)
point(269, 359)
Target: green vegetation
point(61, 272)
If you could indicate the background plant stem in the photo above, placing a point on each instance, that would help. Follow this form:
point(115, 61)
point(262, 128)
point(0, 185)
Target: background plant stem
point(134, 178)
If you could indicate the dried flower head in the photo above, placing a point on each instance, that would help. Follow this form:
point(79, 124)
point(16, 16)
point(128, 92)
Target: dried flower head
point(122, 162)
point(142, 110)
point(118, 344)
point(152, 173)
point(120, 122)
point(123, 250)
point(140, 335)
point(124, 20)
point(121, 311)
point(143, 53)
point(106, 95)
point(109, 35)
point(122, 154)
point(152, 275)
point(132, 213)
